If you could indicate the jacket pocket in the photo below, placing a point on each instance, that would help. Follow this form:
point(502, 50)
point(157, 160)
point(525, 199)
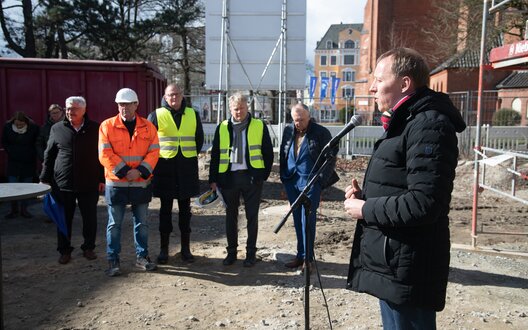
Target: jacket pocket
point(378, 252)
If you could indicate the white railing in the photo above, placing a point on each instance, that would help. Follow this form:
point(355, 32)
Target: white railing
point(361, 139)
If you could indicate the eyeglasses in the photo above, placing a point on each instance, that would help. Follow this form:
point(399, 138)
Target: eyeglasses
point(53, 113)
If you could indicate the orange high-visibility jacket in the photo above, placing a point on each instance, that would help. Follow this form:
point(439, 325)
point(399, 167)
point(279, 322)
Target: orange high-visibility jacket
point(118, 150)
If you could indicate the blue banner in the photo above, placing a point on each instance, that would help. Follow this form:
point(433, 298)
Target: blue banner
point(324, 87)
point(313, 83)
point(335, 84)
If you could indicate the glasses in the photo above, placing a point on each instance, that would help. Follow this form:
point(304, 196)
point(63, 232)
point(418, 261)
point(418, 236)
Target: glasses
point(173, 94)
point(53, 113)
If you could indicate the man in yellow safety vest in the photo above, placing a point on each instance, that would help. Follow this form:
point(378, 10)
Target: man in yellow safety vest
point(181, 138)
point(241, 160)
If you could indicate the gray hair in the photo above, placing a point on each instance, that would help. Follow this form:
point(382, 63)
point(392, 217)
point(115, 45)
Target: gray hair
point(238, 98)
point(300, 106)
point(78, 100)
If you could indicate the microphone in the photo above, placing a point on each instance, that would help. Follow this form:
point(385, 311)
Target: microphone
point(354, 121)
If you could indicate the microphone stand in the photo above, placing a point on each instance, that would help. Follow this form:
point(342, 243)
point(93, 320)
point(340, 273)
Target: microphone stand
point(304, 200)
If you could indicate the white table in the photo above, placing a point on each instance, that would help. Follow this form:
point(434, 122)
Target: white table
point(13, 192)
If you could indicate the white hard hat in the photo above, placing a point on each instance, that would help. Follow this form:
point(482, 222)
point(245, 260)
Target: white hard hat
point(126, 95)
point(209, 199)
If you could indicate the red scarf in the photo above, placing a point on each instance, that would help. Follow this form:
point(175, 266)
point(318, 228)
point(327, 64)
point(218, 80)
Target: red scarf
point(387, 115)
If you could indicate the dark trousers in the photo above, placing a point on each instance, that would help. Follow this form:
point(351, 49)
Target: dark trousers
point(241, 185)
point(87, 202)
point(184, 215)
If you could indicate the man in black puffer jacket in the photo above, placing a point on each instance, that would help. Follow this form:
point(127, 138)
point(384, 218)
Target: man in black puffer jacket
point(401, 244)
point(71, 165)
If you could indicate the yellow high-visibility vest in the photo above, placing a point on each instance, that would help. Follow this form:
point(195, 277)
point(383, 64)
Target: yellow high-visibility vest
point(255, 132)
point(171, 138)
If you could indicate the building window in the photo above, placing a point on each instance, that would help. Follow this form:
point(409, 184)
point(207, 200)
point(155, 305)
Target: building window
point(333, 60)
point(323, 74)
point(349, 44)
point(516, 104)
point(323, 59)
point(329, 44)
point(357, 44)
point(348, 60)
point(347, 91)
point(349, 75)
point(332, 74)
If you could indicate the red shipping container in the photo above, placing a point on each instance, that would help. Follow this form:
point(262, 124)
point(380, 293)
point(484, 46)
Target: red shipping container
point(31, 85)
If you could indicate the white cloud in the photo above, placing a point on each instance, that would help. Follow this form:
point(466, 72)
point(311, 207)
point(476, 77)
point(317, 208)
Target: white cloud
point(323, 13)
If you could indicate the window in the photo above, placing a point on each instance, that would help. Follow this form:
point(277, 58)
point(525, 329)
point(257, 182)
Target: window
point(323, 74)
point(332, 74)
point(333, 60)
point(348, 60)
point(516, 104)
point(348, 92)
point(329, 44)
point(323, 59)
point(349, 75)
point(349, 44)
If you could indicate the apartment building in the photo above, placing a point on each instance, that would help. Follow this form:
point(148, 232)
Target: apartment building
point(336, 55)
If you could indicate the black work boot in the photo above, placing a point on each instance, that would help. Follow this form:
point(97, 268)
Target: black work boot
point(14, 211)
point(186, 254)
point(163, 256)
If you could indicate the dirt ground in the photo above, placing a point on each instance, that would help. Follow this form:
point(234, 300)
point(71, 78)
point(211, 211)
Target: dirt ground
point(486, 290)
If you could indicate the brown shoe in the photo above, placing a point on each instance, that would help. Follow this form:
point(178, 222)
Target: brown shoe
point(308, 265)
point(64, 258)
point(294, 263)
point(89, 254)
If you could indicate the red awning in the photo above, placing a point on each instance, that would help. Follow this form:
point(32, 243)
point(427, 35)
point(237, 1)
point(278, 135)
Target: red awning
point(513, 56)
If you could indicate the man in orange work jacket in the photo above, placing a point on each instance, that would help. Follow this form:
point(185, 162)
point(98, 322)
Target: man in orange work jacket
point(129, 151)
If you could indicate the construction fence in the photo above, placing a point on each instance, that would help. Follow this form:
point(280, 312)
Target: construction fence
point(360, 141)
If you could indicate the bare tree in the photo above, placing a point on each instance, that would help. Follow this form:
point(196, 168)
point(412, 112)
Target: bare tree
point(184, 50)
point(458, 24)
point(20, 36)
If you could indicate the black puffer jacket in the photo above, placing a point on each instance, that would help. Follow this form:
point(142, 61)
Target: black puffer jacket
point(71, 157)
point(401, 248)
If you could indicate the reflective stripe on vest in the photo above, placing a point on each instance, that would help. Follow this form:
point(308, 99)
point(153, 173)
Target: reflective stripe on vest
point(128, 184)
point(254, 141)
point(171, 138)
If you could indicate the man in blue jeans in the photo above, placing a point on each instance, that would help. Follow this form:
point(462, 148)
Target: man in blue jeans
point(302, 142)
point(129, 151)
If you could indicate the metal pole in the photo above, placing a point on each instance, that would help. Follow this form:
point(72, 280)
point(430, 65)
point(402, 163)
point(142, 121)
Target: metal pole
point(282, 68)
point(477, 147)
point(284, 63)
point(222, 43)
point(347, 98)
